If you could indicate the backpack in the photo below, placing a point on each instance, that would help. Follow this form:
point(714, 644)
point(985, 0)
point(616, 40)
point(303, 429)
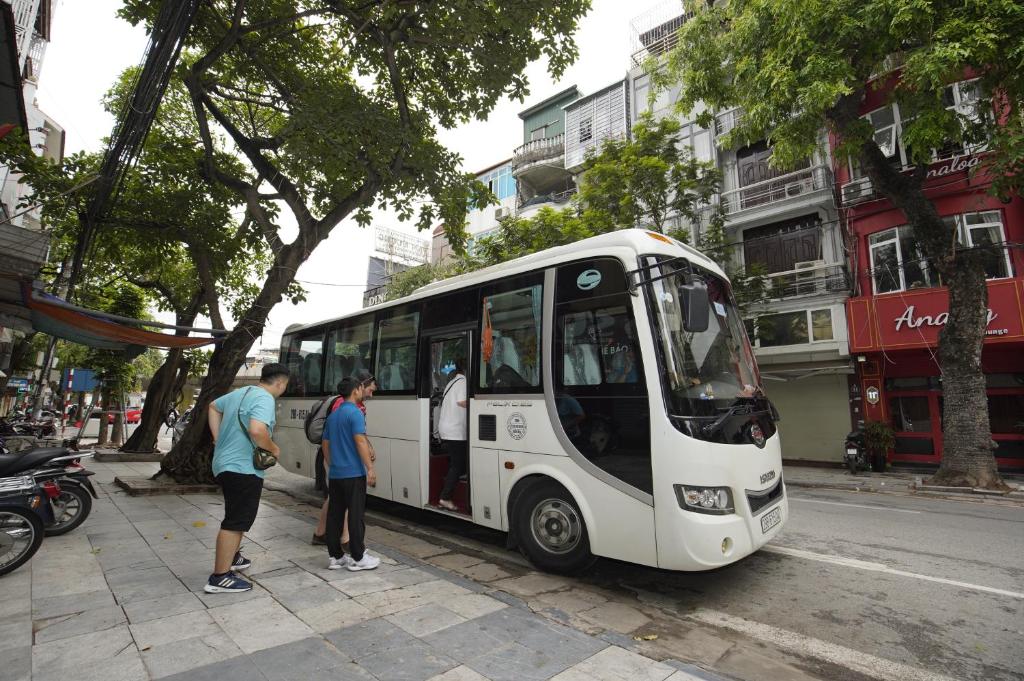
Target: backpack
point(317, 417)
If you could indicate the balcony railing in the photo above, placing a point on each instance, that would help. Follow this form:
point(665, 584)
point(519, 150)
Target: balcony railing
point(656, 31)
point(727, 120)
point(25, 12)
point(538, 150)
point(554, 197)
point(812, 280)
point(777, 189)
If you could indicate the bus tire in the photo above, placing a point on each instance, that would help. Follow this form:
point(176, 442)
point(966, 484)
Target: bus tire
point(550, 529)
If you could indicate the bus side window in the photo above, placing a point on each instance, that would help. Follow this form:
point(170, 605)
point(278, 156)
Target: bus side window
point(510, 340)
point(396, 353)
point(304, 358)
point(348, 351)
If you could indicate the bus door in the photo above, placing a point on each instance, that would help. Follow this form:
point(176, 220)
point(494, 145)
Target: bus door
point(443, 352)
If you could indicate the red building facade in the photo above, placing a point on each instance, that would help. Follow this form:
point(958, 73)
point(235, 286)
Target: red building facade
point(900, 305)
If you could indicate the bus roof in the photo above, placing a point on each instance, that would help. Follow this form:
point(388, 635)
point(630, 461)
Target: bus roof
point(640, 241)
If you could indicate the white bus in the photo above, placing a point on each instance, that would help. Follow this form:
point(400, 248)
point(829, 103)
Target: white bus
point(615, 407)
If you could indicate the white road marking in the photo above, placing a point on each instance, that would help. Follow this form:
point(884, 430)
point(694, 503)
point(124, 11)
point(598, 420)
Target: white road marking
point(840, 503)
point(848, 658)
point(878, 567)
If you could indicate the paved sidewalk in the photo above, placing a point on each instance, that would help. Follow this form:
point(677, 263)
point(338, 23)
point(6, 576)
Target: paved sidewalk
point(900, 482)
point(120, 599)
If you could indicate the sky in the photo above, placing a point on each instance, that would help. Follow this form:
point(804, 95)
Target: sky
point(90, 46)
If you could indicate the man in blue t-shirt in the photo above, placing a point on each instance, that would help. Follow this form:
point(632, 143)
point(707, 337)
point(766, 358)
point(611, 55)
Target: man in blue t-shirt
point(349, 470)
point(239, 421)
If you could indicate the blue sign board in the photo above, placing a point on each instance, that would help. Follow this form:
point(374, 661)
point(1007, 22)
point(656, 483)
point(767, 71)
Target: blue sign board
point(17, 383)
point(84, 381)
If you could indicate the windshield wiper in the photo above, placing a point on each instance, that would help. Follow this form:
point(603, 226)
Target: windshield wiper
point(741, 406)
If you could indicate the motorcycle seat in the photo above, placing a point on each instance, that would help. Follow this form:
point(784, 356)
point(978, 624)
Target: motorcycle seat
point(12, 464)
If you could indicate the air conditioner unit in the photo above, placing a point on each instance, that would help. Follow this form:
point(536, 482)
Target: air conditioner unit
point(502, 213)
point(809, 276)
point(857, 191)
point(802, 186)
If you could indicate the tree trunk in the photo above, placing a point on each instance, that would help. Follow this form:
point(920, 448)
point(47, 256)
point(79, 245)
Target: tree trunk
point(189, 461)
point(165, 386)
point(967, 451)
point(967, 455)
point(117, 432)
point(158, 402)
point(101, 436)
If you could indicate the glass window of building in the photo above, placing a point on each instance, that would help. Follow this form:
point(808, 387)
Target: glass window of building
point(821, 325)
point(910, 414)
point(898, 262)
point(785, 328)
point(984, 231)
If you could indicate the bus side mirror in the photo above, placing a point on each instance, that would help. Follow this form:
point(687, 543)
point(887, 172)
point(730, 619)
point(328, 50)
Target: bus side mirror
point(696, 306)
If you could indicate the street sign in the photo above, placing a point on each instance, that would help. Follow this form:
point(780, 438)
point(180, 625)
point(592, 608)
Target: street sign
point(17, 383)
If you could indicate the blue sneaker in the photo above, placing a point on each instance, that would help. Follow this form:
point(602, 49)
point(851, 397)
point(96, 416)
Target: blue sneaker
point(226, 584)
point(241, 562)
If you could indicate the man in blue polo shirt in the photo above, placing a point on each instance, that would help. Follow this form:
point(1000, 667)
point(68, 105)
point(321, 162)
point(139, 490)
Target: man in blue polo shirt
point(239, 421)
point(349, 470)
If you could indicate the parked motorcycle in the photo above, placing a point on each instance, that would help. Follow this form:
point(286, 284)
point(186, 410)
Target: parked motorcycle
point(63, 479)
point(23, 516)
point(855, 455)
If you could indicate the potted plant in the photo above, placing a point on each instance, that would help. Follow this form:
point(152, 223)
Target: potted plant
point(879, 438)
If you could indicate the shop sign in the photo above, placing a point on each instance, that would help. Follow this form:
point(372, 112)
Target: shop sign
point(873, 394)
point(915, 318)
point(954, 165)
point(17, 383)
point(940, 319)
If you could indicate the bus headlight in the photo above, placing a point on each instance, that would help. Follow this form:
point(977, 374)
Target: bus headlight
point(714, 500)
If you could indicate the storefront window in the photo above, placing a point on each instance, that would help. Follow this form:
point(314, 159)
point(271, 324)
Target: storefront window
point(1006, 414)
point(910, 414)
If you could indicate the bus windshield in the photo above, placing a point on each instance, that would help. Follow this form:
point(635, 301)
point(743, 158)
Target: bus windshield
point(705, 371)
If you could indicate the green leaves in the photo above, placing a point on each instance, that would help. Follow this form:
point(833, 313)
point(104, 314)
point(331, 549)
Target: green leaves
point(794, 68)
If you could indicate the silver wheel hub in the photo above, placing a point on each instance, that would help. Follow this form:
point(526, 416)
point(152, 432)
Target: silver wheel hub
point(16, 535)
point(556, 526)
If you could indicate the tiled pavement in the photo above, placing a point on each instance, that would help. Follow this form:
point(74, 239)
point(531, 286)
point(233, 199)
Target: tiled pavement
point(120, 599)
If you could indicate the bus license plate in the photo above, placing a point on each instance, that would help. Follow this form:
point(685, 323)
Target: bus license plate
point(770, 519)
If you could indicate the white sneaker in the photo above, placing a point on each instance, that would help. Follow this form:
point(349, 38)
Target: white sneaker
point(368, 562)
point(338, 563)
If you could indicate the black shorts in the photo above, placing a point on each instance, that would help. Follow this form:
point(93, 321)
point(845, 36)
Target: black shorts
point(241, 500)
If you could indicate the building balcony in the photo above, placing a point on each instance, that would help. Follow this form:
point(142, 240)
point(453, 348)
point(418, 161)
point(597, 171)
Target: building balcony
point(800, 185)
point(557, 200)
point(656, 32)
point(814, 277)
point(546, 150)
point(25, 250)
point(727, 120)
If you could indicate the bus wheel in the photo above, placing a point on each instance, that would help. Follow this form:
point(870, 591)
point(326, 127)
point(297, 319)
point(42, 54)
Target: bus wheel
point(550, 529)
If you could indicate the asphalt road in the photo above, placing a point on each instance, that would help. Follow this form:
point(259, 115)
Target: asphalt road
point(860, 586)
point(932, 584)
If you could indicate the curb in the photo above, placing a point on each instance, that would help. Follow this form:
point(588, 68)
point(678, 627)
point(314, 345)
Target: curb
point(145, 487)
point(111, 456)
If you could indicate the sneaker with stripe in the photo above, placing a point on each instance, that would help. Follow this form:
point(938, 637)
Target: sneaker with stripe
point(240, 562)
point(227, 583)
